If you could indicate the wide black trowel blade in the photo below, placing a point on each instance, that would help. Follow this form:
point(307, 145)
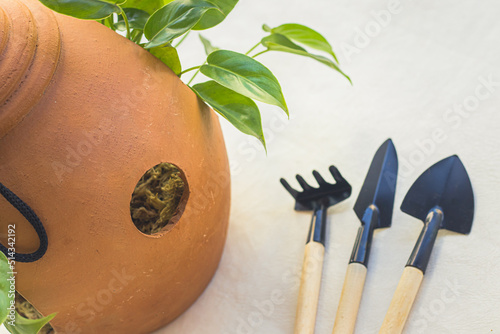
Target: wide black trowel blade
point(446, 184)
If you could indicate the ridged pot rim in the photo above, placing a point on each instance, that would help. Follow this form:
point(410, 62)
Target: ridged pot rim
point(30, 46)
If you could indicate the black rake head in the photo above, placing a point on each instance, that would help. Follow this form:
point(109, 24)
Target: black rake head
point(326, 194)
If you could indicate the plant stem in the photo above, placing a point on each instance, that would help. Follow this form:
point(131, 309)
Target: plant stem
point(125, 19)
point(253, 48)
point(190, 69)
point(258, 54)
point(108, 22)
point(137, 36)
point(182, 39)
point(194, 76)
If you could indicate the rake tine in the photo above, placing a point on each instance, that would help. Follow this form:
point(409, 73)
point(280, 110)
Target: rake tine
point(317, 199)
point(319, 178)
point(303, 182)
point(336, 174)
point(292, 191)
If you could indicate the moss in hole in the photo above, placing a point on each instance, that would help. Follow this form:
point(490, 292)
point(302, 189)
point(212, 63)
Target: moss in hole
point(25, 309)
point(156, 198)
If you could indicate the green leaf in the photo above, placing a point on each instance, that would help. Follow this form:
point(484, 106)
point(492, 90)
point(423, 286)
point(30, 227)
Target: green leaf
point(6, 296)
point(168, 55)
point(213, 18)
point(209, 48)
point(239, 110)
point(175, 19)
point(22, 325)
point(28, 326)
point(136, 18)
point(83, 9)
point(108, 22)
point(303, 35)
point(136, 36)
point(278, 42)
point(149, 6)
point(244, 75)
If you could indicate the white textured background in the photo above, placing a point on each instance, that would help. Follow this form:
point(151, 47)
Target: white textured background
point(411, 75)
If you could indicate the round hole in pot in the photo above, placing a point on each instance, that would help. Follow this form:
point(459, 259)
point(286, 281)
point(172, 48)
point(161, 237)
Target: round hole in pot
point(159, 198)
point(27, 310)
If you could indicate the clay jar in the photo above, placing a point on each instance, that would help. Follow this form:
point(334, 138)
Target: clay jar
point(84, 113)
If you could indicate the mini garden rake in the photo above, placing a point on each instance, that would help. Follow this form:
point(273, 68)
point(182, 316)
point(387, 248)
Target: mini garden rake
point(317, 200)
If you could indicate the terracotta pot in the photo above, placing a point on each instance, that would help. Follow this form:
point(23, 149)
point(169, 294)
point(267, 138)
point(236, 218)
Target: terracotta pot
point(84, 114)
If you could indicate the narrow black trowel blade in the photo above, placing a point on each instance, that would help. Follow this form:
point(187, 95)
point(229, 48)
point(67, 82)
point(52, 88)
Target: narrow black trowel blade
point(445, 184)
point(380, 184)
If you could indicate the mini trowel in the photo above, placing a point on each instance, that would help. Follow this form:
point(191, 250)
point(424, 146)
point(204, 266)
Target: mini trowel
point(374, 209)
point(441, 197)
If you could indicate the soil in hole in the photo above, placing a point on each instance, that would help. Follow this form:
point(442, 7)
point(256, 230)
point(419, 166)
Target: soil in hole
point(156, 198)
point(25, 309)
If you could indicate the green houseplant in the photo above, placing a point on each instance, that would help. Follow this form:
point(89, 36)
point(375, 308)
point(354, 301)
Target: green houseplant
point(236, 80)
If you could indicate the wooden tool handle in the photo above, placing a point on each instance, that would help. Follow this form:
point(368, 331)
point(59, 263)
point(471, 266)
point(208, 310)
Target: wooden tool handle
point(403, 299)
point(309, 288)
point(350, 299)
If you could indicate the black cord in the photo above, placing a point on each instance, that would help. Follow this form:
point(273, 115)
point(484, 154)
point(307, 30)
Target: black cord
point(33, 219)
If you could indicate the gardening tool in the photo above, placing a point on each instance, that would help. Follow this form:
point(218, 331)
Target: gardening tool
point(317, 200)
point(374, 209)
point(442, 197)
